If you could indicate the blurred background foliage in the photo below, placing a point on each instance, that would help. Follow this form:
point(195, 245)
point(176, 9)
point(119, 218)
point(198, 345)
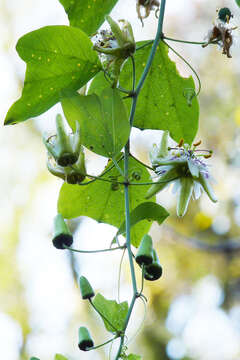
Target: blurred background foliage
point(193, 311)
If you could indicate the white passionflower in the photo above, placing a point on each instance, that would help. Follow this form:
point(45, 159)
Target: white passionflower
point(183, 166)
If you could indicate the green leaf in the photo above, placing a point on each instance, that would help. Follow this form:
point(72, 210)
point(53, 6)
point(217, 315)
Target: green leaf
point(161, 103)
point(34, 358)
point(99, 201)
point(88, 15)
point(134, 357)
point(60, 357)
point(103, 121)
point(238, 2)
point(114, 312)
point(60, 60)
point(147, 210)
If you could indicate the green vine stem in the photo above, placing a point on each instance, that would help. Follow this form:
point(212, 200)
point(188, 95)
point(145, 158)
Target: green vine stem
point(126, 161)
point(105, 343)
point(94, 251)
point(189, 42)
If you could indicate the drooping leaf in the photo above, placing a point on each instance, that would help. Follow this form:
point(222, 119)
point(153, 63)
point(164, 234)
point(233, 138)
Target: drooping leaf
point(60, 357)
point(103, 121)
point(115, 313)
point(161, 103)
point(147, 210)
point(104, 202)
point(60, 60)
point(88, 15)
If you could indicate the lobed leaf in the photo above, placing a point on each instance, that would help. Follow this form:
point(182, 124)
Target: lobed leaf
point(114, 312)
point(60, 60)
point(103, 121)
point(87, 15)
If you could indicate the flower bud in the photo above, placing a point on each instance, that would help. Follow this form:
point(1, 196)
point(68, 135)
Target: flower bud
point(85, 288)
point(85, 341)
point(145, 251)
point(153, 271)
point(62, 235)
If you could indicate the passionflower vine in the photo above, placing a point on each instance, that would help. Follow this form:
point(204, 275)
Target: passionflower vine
point(115, 46)
point(222, 31)
point(147, 5)
point(183, 166)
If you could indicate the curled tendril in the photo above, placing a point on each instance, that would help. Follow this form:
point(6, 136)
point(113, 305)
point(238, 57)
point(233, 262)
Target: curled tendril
point(189, 94)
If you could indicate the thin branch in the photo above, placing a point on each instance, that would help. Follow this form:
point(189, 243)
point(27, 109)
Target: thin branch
point(228, 247)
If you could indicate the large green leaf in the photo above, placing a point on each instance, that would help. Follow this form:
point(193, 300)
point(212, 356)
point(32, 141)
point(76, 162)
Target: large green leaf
point(102, 202)
point(147, 210)
point(161, 103)
point(103, 121)
point(112, 311)
point(59, 60)
point(88, 15)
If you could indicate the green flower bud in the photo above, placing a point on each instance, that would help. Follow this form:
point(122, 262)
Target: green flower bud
point(185, 193)
point(62, 235)
point(153, 271)
point(77, 173)
point(34, 358)
point(145, 251)
point(85, 288)
point(171, 175)
point(85, 341)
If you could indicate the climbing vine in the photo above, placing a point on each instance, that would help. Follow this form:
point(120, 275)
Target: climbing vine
point(107, 84)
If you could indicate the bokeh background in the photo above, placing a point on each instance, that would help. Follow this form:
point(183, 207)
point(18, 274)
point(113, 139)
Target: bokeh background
point(193, 311)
